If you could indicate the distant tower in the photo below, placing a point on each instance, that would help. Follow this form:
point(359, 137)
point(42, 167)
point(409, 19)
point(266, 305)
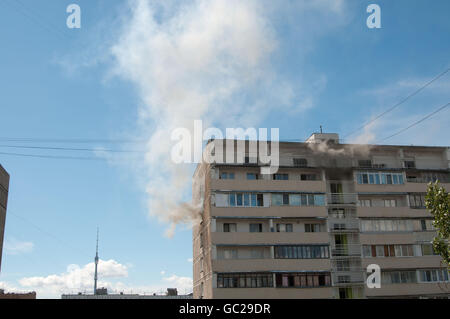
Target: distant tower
point(96, 263)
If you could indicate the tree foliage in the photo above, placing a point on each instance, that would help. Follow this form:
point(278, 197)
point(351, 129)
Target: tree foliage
point(437, 202)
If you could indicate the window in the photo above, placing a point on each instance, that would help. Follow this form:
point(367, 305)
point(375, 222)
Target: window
point(426, 224)
point(260, 200)
point(312, 228)
point(226, 175)
point(427, 250)
point(384, 225)
point(252, 176)
point(284, 228)
point(303, 280)
point(244, 280)
point(367, 251)
point(433, 275)
point(379, 178)
point(300, 162)
point(409, 164)
point(390, 203)
point(281, 177)
point(302, 252)
point(365, 163)
point(294, 199)
point(230, 254)
point(398, 277)
point(229, 227)
point(245, 199)
point(417, 200)
point(257, 253)
point(256, 228)
point(308, 177)
point(364, 202)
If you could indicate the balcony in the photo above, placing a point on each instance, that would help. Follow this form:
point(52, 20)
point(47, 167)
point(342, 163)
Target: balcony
point(404, 262)
point(270, 264)
point(420, 186)
point(349, 250)
point(278, 211)
point(341, 199)
point(384, 238)
point(412, 289)
point(347, 278)
point(387, 212)
point(268, 238)
point(268, 185)
point(344, 225)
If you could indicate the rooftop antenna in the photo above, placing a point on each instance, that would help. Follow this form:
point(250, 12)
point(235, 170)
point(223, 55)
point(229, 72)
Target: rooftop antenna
point(96, 263)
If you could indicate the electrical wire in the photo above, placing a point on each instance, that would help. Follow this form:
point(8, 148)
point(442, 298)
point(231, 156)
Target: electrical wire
point(71, 149)
point(400, 103)
point(415, 123)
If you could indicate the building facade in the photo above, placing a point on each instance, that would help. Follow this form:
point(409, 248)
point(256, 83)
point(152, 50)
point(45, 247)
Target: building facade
point(4, 186)
point(311, 229)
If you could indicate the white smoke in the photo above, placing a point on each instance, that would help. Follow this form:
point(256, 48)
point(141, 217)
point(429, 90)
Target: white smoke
point(203, 59)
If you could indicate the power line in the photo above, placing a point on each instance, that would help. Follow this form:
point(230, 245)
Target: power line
point(399, 103)
point(71, 140)
point(71, 149)
point(54, 156)
point(415, 123)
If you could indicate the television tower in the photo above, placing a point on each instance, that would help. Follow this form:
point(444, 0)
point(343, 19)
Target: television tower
point(96, 263)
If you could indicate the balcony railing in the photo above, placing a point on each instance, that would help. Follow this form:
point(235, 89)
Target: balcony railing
point(346, 250)
point(343, 278)
point(426, 180)
point(343, 225)
point(341, 198)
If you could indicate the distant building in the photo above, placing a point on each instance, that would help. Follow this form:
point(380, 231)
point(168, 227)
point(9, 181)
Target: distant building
point(28, 295)
point(4, 186)
point(102, 293)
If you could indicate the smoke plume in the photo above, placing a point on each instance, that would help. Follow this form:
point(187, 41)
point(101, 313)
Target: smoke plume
point(208, 60)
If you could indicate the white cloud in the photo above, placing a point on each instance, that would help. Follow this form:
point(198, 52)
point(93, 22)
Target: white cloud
point(16, 247)
point(181, 283)
point(81, 279)
point(75, 278)
point(189, 260)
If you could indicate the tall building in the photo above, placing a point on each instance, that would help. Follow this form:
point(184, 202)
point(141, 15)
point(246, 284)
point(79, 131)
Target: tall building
point(4, 186)
point(311, 229)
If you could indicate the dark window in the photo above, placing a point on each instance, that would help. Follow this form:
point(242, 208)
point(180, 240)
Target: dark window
point(300, 162)
point(365, 163)
point(410, 164)
point(255, 228)
point(229, 227)
point(260, 199)
point(281, 177)
point(308, 177)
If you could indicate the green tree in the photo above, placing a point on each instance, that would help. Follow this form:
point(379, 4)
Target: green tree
point(437, 202)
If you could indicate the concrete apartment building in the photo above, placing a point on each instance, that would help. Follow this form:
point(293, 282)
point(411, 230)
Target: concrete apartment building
point(4, 186)
point(311, 229)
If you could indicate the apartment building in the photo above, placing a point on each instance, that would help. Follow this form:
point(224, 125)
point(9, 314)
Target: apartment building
point(311, 229)
point(4, 186)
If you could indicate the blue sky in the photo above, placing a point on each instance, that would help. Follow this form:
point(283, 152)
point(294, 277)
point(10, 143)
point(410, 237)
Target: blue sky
point(292, 65)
